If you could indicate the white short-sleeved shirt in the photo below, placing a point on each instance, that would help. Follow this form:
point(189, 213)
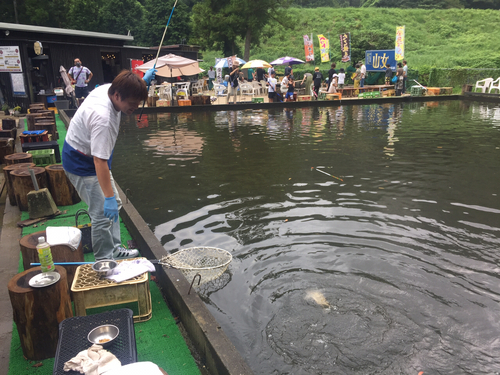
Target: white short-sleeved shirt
point(363, 71)
point(272, 84)
point(92, 132)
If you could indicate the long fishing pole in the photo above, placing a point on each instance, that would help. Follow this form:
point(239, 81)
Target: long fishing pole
point(158, 53)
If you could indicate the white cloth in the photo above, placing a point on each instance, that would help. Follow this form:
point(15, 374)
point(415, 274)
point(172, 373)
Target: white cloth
point(94, 127)
point(93, 361)
point(64, 236)
point(147, 368)
point(131, 268)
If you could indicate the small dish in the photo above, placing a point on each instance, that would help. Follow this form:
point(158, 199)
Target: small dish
point(44, 279)
point(103, 335)
point(104, 267)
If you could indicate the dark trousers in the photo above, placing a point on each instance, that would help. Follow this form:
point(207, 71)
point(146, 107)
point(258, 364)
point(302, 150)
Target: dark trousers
point(404, 85)
point(81, 92)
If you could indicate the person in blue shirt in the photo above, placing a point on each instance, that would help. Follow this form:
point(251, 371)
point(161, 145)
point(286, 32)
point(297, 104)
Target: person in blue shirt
point(88, 151)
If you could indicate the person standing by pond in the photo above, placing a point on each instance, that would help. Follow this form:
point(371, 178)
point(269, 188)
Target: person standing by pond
point(400, 82)
point(88, 151)
point(331, 72)
point(80, 77)
point(357, 79)
point(271, 93)
point(405, 79)
point(363, 73)
point(317, 78)
point(388, 74)
point(308, 82)
point(211, 78)
point(233, 83)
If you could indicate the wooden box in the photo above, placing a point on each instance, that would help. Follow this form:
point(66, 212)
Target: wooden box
point(163, 103)
point(391, 92)
point(304, 98)
point(183, 103)
point(446, 90)
point(333, 96)
point(431, 91)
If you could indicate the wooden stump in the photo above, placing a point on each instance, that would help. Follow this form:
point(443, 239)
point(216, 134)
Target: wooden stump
point(8, 123)
point(22, 184)
point(6, 148)
point(8, 179)
point(60, 187)
point(38, 312)
point(60, 253)
point(20, 157)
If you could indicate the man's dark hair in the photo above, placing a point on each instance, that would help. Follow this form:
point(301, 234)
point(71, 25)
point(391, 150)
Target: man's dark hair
point(129, 86)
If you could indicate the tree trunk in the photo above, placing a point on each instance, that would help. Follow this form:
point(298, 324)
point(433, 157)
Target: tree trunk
point(248, 41)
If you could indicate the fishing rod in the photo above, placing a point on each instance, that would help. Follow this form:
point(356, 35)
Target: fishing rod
point(158, 53)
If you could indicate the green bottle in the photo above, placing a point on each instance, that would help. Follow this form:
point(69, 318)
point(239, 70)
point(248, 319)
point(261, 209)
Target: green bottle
point(45, 255)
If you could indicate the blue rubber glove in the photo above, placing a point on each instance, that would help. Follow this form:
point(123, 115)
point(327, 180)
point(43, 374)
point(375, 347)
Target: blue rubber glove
point(111, 208)
point(149, 75)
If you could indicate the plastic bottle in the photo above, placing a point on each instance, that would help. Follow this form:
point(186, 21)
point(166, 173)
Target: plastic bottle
point(45, 255)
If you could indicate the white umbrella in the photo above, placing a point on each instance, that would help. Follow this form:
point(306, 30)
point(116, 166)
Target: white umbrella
point(173, 66)
point(223, 63)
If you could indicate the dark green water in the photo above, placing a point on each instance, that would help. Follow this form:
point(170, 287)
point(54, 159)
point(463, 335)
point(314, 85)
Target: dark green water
point(405, 249)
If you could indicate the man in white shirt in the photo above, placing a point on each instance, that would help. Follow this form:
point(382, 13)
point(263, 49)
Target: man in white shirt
point(271, 81)
point(88, 151)
point(363, 74)
point(405, 76)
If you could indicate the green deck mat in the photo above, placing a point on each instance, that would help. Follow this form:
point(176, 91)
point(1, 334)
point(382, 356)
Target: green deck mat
point(158, 340)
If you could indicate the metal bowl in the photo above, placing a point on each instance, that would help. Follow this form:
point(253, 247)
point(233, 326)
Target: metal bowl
point(103, 335)
point(104, 267)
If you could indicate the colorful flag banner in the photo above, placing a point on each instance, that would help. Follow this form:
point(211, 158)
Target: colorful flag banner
point(308, 48)
point(218, 70)
point(400, 43)
point(345, 47)
point(324, 46)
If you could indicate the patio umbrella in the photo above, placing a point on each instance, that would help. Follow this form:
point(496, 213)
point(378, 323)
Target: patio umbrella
point(70, 91)
point(223, 63)
point(173, 66)
point(254, 64)
point(287, 60)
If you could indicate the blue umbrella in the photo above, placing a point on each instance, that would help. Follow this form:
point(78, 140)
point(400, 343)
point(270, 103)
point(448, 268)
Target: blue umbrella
point(223, 63)
point(287, 60)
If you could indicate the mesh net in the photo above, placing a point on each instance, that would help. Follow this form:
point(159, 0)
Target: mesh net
point(209, 262)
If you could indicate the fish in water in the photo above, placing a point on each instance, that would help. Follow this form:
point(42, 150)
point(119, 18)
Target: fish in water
point(317, 297)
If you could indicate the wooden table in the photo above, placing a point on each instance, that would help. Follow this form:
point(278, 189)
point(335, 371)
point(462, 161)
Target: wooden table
point(349, 91)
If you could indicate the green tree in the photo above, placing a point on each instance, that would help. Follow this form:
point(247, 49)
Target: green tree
point(156, 17)
point(121, 16)
point(218, 24)
point(84, 14)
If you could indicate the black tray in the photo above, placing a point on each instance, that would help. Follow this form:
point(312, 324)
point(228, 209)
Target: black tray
point(73, 337)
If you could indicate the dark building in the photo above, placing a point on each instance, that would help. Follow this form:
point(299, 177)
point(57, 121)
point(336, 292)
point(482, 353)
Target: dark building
point(104, 54)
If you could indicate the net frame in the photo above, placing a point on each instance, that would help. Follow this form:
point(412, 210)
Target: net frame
point(209, 262)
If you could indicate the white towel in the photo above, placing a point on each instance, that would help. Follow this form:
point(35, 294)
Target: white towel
point(93, 361)
point(131, 268)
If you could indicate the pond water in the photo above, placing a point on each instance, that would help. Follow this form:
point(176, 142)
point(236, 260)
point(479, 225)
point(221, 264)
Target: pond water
point(366, 238)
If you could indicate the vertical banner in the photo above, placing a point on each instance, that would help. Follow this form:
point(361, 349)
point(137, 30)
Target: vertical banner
point(400, 43)
point(218, 70)
point(134, 64)
point(345, 47)
point(324, 46)
point(308, 48)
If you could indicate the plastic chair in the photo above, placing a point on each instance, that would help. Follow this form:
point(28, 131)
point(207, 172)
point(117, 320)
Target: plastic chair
point(198, 86)
point(246, 89)
point(483, 84)
point(257, 87)
point(165, 91)
point(220, 89)
point(495, 85)
point(184, 87)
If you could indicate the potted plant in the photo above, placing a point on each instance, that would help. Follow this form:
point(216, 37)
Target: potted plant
point(5, 108)
point(17, 110)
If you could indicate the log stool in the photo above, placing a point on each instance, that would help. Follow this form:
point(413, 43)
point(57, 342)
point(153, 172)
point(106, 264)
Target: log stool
point(38, 312)
point(22, 184)
point(6, 147)
point(60, 187)
point(8, 123)
point(20, 157)
point(8, 179)
point(60, 253)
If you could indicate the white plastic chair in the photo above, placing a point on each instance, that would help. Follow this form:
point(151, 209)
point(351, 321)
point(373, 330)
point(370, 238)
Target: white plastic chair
point(495, 85)
point(198, 86)
point(257, 88)
point(183, 88)
point(483, 84)
point(246, 89)
point(165, 91)
point(220, 89)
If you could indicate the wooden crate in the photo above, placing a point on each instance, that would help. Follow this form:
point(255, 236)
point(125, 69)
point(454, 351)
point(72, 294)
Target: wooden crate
point(391, 92)
point(432, 91)
point(337, 96)
point(163, 103)
point(446, 90)
point(304, 98)
point(183, 103)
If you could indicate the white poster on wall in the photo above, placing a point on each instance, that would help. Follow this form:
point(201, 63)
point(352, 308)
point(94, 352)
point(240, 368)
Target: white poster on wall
point(10, 59)
point(18, 88)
